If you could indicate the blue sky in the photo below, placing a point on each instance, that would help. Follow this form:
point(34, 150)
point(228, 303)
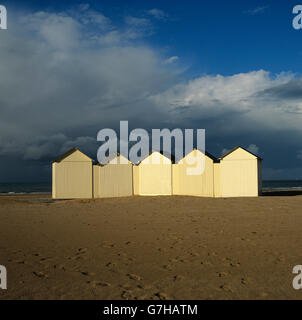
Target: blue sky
point(71, 68)
point(221, 36)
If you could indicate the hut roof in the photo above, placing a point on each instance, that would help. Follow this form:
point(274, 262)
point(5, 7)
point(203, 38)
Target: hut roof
point(68, 153)
point(208, 154)
point(238, 147)
point(164, 153)
point(111, 157)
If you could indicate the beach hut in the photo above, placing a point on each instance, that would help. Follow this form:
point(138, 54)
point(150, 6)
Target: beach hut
point(217, 180)
point(72, 176)
point(240, 174)
point(153, 175)
point(201, 185)
point(114, 179)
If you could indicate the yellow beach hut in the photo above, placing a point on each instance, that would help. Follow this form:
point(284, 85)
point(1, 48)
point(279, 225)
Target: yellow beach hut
point(201, 185)
point(114, 179)
point(72, 176)
point(153, 175)
point(240, 174)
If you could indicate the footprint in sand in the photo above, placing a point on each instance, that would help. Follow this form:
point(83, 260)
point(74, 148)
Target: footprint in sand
point(40, 274)
point(160, 296)
point(178, 277)
point(179, 259)
point(59, 266)
point(232, 263)
point(127, 295)
point(108, 245)
point(246, 281)
point(126, 286)
point(226, 287)
point(86, 273)
point(99, 283)
point(222, 274)
point(235, 264)
point(134, 277)
point(167, 267)
point(280, 260)
point(194, 254)
point(81, 254)
point(110, 264)
point(128, 243)
point(45, 261)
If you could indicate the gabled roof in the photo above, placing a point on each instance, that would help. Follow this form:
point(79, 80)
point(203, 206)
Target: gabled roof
point(234, 149)
point(208, 154)
point(112, 156)
point(165, 154)
point(68, 153)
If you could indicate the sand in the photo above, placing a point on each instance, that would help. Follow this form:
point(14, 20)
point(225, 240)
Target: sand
point(151, 247)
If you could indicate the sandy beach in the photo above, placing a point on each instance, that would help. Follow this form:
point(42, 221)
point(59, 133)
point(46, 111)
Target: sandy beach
point(151, 247)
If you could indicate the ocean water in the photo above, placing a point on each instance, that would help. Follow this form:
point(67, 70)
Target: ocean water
point(24, 187)
point(282, 185)
point(45, 187)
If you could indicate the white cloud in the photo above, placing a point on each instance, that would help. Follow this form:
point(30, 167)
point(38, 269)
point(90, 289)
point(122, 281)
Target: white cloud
point(171, 59)
point(64, 79)
point(134, 21)
point(247, 97)
point(137, 27)
point(60, 31)
point(157, 13)
point(257, 10)
point(60, 82)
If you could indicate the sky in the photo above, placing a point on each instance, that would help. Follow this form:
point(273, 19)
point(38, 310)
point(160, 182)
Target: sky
point(71, 68)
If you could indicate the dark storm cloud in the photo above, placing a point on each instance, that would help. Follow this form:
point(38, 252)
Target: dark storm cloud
point(287, 91)
point(68, 75)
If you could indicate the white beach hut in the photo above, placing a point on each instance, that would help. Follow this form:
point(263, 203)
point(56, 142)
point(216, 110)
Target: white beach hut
point(153, 175)
point(240, 174)
point(72, 176)
point(201, 185)
point(114, 179)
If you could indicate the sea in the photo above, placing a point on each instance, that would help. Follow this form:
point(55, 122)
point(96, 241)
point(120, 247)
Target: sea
point(45, 187)
point(25, 188)
point(275, 185)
